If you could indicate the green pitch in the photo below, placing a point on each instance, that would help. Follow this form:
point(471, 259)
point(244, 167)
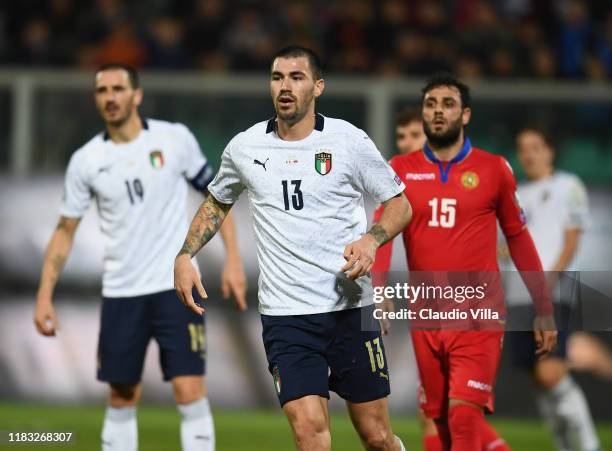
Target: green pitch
point(236, 431)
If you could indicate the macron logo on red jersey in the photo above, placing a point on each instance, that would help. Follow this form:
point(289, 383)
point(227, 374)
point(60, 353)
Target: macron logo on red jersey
point(479, 385)
point(420, 176)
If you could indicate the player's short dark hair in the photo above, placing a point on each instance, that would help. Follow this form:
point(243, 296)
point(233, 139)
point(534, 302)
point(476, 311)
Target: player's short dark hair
point(448, 79)
point(408, 116)
point(297, 51)
point(541, 132)
point(132, 73)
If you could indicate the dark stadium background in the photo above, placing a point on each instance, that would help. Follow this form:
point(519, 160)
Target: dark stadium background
point(545, 63)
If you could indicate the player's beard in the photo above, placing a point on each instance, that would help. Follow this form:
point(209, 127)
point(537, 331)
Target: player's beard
point(300, 111)
point(125, 117)
point(446, 138)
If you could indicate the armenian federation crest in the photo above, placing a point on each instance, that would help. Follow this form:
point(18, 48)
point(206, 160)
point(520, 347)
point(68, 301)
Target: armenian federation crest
point(157, 159)
point(323, 162)
point(470, 179)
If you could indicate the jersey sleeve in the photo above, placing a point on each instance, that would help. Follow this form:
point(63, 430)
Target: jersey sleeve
point(577, 206)
point(77, 192)
point(372, 174)
point(195, 166)
point(227, 184)
point(509, 210)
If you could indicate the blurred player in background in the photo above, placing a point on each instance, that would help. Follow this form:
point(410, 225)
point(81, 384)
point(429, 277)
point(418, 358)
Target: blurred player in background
point(557, 212)
point(137, 173)
point(458, 193)
point(305, 175)
point(409, 137)
point(409, 133)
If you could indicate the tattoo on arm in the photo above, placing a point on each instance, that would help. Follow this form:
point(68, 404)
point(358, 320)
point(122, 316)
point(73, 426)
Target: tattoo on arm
point(205, 224)
point(379, 234)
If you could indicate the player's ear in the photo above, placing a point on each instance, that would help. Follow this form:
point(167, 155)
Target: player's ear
point(319, 87)
point(138, 96)
point(466, 115)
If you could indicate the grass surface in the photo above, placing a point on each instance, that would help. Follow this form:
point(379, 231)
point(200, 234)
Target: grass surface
point(237, 430)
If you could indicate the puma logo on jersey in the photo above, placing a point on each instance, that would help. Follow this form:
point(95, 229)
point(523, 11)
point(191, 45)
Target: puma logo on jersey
point(261, 164)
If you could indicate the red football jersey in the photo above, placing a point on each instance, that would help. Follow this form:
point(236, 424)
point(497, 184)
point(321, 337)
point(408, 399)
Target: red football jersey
point(456, 206)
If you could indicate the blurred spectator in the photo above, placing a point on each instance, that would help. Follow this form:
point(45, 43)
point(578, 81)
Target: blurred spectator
point(502, 63)
point(543, 63)
point(350, 37)
point(122, 46)
point(35, 48)
point(62, 19)
point(468, 67)
point(166, 49)
point(205, 28)
point(574, 37)
point(249, 40)
point(545, 39)
point(604, 45)
point(97, 23)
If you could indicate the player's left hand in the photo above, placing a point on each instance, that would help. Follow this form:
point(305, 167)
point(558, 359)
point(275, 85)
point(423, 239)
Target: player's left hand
point(185, 278)
point(545, 334)
point(233, 282)
point(359, 256)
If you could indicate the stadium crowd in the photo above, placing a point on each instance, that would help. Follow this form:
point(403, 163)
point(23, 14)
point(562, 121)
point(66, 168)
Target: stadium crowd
point(542, 39)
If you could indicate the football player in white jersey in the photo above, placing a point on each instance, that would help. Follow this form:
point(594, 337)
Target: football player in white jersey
point(137, 171)
point(556, 208)
point(305, 176)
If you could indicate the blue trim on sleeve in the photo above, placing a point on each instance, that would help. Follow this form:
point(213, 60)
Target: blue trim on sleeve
point(467, 145)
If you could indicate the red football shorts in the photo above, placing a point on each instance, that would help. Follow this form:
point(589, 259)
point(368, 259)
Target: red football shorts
point(456, 364)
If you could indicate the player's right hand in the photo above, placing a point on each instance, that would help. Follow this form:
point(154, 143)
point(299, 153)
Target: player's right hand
point(185, 278)
point(45, 319)
point(545, 333)
point(359, 256)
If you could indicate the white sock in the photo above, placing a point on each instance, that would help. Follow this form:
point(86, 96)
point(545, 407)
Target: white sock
point(398, 440)
point(566, 410)
point(197, 428)
point(120, 431)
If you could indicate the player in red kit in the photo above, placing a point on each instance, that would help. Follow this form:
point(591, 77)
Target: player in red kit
point(458, 194)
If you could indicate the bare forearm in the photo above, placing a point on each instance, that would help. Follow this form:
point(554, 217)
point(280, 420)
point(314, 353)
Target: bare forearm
point(55, 257)
point(570, 246)
point(205, 224)
point(228, 235)
point(395, 216)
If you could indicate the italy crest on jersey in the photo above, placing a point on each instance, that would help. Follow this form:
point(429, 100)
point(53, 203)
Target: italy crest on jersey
point(323, 162)
point(157, 159)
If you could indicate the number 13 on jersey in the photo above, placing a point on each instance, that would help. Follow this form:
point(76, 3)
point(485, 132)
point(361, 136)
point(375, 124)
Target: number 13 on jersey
point(297, 199)
point(443, 212)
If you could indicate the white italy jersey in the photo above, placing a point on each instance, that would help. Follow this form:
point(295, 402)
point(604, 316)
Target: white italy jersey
point(140, 189)
point(552, 206)
point(306, 200)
